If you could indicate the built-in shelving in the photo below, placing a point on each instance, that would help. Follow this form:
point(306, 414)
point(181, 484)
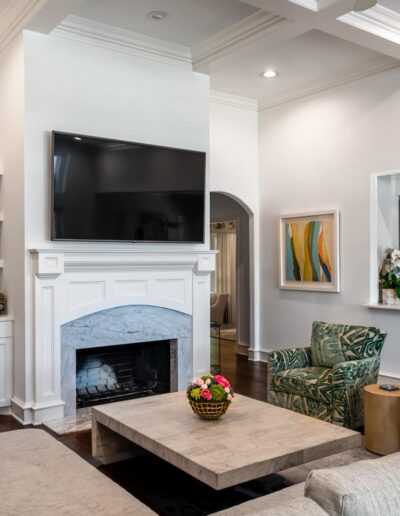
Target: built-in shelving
point(379, 306)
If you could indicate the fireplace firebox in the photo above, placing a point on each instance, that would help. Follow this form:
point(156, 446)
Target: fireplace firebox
point(120, 372)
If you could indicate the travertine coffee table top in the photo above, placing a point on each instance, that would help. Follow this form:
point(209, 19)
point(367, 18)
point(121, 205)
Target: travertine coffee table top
point(252, 439)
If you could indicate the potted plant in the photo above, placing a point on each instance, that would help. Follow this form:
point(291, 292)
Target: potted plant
point(389, 277)
point(210, 396)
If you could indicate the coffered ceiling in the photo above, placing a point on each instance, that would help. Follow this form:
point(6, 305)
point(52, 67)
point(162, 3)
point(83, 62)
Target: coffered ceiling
point(312, 44)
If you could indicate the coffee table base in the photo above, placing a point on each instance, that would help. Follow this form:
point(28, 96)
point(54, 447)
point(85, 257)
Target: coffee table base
point(252, 440)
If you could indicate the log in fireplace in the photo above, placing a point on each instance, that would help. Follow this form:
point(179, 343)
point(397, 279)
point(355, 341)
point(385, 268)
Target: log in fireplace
point(127, 371)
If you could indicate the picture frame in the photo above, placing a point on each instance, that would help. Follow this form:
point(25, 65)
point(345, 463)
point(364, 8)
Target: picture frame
point(309, 251)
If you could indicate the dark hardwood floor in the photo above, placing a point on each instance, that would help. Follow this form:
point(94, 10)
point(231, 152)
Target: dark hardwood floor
point(180, 494)
point(247, 377)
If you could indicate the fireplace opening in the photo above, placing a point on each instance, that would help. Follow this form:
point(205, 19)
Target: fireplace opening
point(127, 371)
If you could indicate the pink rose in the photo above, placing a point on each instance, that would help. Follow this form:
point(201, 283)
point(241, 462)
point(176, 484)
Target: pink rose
point(206, 394)
point(222, 380)
point(199, 381)
point(229, 397)
point(204, 386)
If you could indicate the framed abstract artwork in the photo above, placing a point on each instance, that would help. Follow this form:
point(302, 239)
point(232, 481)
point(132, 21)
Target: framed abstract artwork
point(309, 251)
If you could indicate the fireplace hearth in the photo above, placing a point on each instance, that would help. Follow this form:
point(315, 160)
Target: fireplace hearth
point(114, 373)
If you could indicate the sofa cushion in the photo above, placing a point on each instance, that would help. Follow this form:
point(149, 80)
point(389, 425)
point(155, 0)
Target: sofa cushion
point(326, 346)
point(263, 503)
point(367, 488)
point(310, 382)
point(298, 507)
point(40, 476)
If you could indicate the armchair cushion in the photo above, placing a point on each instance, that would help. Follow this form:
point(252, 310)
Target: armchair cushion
point(326, 346)
point(311, 382)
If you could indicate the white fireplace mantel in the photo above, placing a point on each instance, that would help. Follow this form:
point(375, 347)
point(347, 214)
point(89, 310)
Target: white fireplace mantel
point(70, 283)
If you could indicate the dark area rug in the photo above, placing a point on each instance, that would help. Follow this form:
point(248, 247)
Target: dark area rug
point(170, 492)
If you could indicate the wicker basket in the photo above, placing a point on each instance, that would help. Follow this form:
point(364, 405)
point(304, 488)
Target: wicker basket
point(209, 410)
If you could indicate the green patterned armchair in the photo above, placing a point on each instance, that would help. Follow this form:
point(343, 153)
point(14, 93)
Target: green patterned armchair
point(326, 380)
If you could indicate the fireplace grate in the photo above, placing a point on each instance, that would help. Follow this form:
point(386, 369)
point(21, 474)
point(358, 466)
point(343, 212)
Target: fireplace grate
point(97, 394)
point(122, 372)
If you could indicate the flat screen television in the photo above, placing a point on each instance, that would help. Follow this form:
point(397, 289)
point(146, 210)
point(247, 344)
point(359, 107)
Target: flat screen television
point(109, 190)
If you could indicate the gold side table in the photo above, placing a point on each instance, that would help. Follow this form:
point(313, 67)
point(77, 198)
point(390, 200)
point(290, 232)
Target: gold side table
point(381, 419)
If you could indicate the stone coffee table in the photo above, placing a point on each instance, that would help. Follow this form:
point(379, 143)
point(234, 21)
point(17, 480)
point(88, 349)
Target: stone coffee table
point(253, 439)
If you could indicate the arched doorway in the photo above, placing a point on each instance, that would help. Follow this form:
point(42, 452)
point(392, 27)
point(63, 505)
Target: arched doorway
point(231, 298)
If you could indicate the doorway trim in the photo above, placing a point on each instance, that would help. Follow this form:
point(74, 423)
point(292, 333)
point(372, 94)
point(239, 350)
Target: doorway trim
point(252, 351)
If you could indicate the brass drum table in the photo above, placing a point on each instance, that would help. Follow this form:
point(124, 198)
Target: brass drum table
point(381, 419)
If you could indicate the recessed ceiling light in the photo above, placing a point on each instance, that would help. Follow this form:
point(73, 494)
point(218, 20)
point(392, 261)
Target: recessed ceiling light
point(269, 74)
point(77, 138)
point(158, 15)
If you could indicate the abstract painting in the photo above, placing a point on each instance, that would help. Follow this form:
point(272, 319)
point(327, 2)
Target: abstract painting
point(310, 251)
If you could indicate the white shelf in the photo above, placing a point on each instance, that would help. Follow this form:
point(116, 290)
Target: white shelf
point(1, 217)
point(379, 306)
point(1, 264)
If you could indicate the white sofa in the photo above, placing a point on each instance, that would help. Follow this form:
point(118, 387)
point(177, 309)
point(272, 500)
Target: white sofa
point(364, 488)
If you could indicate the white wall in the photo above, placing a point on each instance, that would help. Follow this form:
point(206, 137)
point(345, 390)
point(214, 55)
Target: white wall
point(12, 194)
point(78, 88)
point(319, 154)
point(234, 170)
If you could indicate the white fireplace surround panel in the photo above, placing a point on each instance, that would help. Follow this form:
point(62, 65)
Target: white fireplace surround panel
point(72, 283)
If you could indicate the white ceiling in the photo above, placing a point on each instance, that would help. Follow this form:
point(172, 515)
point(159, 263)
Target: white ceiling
point(4, 4)
point(190, 21)
point(311, 44)
point(301, 61)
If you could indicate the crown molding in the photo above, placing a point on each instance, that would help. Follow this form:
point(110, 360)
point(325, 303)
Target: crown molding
point(227, 99)
point(308, 4)
point(378, 20)
point(330, 83)
point(119, 40)
point(15, 16)
point(236, 36)
point(323, 4)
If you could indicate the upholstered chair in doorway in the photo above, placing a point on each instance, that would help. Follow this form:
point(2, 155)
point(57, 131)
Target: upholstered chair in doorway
point(326, 380)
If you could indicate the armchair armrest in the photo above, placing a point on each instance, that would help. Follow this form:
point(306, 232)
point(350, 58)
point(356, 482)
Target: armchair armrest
point(348, 380)
point(293, 358)
point(356, 372)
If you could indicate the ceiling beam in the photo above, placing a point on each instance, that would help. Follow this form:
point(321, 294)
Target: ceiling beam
point(295, 10)
point(241, 39)
point(377, 29)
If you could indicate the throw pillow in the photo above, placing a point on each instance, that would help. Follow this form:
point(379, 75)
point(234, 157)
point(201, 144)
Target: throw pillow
point(326, 347)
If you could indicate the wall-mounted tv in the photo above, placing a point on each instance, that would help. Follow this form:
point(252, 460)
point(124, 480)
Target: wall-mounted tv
point(111, 190)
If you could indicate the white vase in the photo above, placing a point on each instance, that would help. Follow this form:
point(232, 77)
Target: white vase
point(389, 297)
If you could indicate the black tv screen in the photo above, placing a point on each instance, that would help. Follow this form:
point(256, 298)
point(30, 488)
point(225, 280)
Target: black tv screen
point(123, 191)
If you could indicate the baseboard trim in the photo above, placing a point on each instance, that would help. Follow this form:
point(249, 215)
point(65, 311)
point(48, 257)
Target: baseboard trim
point(242, 349)
point(258, 355)
point(387, 377)
point(36, 413)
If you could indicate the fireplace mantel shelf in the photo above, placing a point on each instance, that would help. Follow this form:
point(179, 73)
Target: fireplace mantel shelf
point(150, 250)
point(52, 261)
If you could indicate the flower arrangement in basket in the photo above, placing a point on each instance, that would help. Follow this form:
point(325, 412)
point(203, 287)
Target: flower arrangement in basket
point(210, 396)
point(389, 277)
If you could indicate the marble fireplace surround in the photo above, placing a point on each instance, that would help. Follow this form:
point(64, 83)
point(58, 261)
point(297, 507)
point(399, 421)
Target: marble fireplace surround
point(124, 325)
point(71, 284)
